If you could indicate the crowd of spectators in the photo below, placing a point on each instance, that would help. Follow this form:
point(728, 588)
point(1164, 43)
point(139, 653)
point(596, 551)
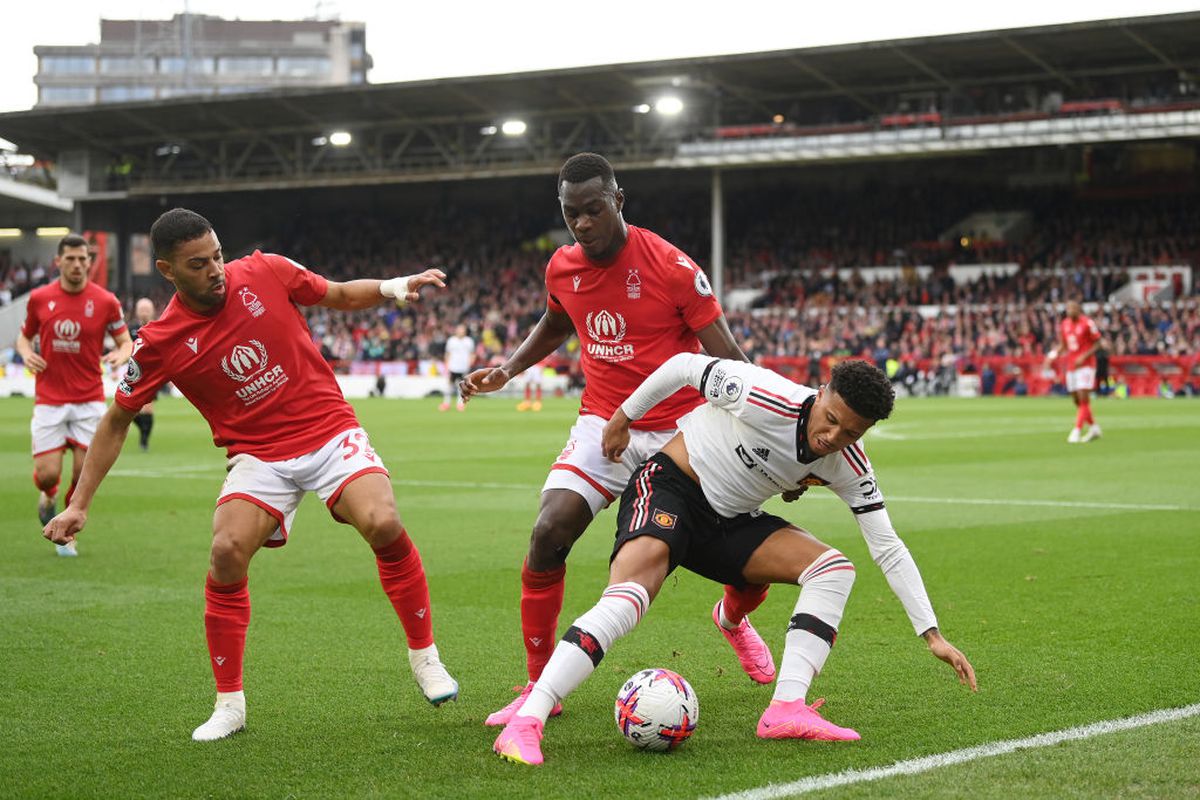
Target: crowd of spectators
point(19, 277)
point(787, 248)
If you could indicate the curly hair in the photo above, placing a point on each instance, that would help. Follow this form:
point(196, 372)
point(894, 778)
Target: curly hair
point(175, 227)
point(864, 388)
point(585, 166)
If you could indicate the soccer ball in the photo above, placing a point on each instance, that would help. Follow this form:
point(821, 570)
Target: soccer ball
point(656, 709)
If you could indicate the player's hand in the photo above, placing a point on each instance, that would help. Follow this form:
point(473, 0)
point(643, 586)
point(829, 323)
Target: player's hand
point(482, 381)
point(62, 529)
point(952, 656)
point(792, 495)
point(430, 277)
point(615, 438)
point(35, 363)
point(112, 358)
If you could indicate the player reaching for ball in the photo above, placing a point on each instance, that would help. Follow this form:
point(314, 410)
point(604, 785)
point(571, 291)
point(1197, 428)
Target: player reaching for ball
point(234, 342)
point(696, 504)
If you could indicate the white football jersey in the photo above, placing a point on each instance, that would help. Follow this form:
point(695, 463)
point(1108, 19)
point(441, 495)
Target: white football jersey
point(460, 352)
point(748, 442)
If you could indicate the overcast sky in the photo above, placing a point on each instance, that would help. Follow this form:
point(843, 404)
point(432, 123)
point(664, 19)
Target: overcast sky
point(413, 39)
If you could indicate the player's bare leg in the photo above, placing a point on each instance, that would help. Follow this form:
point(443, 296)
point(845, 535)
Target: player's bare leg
point(368, 504)
point(790, 555)
point(240, 528)
point(636, 575)
point(562, 518)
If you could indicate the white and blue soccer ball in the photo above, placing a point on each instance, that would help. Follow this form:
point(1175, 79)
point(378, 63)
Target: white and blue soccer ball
point(656, 709)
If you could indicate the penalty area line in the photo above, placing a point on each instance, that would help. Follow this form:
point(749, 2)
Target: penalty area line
point(916, 766)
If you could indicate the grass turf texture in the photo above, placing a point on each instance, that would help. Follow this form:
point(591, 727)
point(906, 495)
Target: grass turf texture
point(1070, 614)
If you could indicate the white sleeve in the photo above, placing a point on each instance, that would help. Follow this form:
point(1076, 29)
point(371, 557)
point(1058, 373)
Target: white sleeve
point(681, 369)
point(892, 556)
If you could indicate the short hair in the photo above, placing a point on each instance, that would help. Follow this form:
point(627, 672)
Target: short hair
point(71, 240)
point(864, 388)
point(175, 227)
point(585, 166)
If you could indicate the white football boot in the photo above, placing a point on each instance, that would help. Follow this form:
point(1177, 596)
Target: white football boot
point(228, 717)
point(1093, 433)
point(66, 550)
point(435, 682)
point(1075, 437)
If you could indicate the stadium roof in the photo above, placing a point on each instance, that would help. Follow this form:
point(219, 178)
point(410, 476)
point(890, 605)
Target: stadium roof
point(436, 129)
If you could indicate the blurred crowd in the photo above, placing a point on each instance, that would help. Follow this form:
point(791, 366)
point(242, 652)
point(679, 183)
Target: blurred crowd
point(785, 251)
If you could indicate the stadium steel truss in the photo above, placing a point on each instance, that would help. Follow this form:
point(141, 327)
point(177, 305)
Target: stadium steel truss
point(768, 108)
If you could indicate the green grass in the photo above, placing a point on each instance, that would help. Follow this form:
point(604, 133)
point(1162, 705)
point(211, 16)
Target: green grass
point(1071, 614)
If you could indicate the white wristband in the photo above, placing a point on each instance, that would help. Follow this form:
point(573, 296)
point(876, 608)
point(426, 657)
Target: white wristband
point(397, 289)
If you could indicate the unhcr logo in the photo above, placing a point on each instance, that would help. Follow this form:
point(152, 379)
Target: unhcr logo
point(245, 361)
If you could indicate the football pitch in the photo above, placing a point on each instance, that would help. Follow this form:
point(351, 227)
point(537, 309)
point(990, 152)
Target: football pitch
point(1068, 574)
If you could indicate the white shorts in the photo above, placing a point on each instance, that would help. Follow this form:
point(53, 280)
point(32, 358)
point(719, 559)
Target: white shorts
point(532, 376)
point(277, 487)
point(1082, 378)
point(581, 468)
point(57, 427)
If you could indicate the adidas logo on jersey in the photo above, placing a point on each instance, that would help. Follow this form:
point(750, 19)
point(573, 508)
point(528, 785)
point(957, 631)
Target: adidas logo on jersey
point(762, 452)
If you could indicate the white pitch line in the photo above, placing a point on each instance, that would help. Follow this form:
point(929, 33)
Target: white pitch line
point(529, 487)
point(916, 766)
point(950, 501)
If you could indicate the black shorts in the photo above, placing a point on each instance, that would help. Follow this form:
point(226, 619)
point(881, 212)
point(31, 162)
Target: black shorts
point(661, 501)
point(455, 377)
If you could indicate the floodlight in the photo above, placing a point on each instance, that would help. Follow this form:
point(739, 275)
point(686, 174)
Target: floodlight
point(513, 127)
point(668, 105)
point(340, 138)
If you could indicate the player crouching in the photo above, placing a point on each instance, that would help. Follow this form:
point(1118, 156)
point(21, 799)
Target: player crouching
point(696, 504)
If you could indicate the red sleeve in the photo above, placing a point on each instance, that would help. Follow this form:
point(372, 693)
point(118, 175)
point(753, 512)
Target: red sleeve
point(30, 328)
point(116, 317)
point(303, 287)
point(693, 292)
point(552, 303)
point(144, 376)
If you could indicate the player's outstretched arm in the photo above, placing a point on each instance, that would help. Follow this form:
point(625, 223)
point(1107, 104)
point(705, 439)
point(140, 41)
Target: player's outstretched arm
point(952, 656)
point(106, 446)
point(547, 336)
point(367, 293)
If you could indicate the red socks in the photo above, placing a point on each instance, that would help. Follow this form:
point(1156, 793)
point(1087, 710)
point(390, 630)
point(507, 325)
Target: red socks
point(403, 581)
point(740, 602)
point(1084, 415)
point(541, 600)
point(226, 617)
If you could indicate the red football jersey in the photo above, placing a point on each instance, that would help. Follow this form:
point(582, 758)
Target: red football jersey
point(251, 368)
point(631, 316)
point(71, 328)
point(1079, 335)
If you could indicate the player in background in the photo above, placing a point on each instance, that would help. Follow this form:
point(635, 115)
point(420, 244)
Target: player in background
point(234, 342)
point(143, 313)
point(1079, 338)
point(635, 300)
point(460, 354)
point(696, 504)
point(532, 378)
point(70, 317)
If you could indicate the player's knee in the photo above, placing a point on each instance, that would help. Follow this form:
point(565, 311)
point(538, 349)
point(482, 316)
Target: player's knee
point(381, 529)
point(551, 541)
point(45, 478)
point(229, 557)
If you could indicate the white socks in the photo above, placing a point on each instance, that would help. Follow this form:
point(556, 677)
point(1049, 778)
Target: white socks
point(584, 644)
point(824, 589)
